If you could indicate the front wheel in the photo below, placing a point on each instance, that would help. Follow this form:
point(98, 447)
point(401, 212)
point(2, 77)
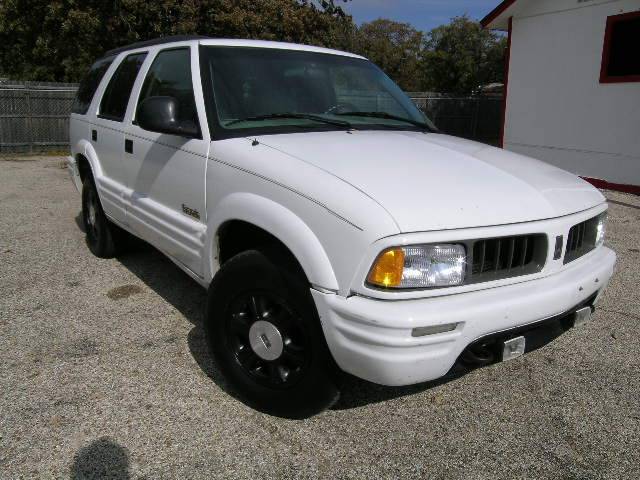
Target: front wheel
point(265, 336)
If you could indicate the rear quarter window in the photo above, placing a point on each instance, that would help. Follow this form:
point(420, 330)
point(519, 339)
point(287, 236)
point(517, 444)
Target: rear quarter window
point(116, 96)
point(89, 85)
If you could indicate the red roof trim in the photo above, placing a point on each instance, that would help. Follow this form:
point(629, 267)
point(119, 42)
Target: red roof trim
point(495, 13)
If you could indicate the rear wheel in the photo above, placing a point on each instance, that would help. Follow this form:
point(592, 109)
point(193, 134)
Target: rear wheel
point(265, 336)
point(104, 239)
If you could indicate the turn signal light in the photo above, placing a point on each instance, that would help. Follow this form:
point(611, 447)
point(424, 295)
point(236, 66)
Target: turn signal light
point(387, 269)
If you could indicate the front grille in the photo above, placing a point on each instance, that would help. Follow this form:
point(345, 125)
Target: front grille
point(498, 258)
point(581, 239)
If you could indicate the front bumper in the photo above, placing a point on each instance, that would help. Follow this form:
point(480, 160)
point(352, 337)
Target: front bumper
point(372, 339)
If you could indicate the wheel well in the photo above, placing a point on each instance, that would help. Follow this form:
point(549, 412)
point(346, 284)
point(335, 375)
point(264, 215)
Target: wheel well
point(237, 236)
point(84, 169)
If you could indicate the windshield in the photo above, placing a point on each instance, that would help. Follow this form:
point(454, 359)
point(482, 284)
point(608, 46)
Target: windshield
point(258, 90)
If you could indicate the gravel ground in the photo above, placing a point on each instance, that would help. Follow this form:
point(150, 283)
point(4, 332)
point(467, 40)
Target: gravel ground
point(104, 374)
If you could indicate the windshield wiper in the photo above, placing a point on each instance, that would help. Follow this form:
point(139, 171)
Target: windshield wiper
point(387, 116)
point(304, 116)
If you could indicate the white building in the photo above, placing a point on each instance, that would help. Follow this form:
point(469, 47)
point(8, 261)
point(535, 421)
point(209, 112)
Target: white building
point(572, 93)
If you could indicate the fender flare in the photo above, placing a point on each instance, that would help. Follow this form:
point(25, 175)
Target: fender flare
point(85, 149)
point(280, 222)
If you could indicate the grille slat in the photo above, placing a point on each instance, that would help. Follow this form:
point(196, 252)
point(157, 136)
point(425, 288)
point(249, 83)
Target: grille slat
point(523, 253)
point(572, 233)
point(512, 248)
point(583, 229)
point(505, 257)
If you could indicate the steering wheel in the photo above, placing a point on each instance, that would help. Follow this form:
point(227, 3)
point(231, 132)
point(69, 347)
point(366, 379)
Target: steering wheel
point(342, 107)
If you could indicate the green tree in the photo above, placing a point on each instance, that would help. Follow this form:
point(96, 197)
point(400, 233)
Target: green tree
point(56, 40)
point(395, 47)
point(461, 56)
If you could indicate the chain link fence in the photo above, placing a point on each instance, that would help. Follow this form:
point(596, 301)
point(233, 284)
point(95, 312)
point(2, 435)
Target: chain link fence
point(477, 117)
point(34, 116)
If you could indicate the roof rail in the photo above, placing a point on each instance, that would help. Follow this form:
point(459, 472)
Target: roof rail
point(155, 41)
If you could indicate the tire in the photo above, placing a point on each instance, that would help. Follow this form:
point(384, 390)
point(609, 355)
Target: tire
point(282, 368)
point(104, 239)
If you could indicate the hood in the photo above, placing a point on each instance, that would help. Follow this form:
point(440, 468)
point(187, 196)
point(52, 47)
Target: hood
point(438, 182)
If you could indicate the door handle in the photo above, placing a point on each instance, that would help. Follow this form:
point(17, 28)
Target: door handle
point(94, 135)
point(128, 145)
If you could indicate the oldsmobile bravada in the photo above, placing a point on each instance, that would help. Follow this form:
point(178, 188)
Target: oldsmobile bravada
point(334, 227)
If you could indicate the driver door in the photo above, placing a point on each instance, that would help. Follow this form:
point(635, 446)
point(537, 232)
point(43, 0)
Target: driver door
point(165, 173)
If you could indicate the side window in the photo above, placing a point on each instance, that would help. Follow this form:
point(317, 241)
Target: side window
point(170, 76)
point(116, 96)
point(89, 85)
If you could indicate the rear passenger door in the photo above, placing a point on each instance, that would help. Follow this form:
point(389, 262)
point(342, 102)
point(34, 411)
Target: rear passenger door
point(107, 135)
point(166, 173)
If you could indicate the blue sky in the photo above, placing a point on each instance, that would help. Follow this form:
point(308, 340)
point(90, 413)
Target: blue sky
point(422, 14)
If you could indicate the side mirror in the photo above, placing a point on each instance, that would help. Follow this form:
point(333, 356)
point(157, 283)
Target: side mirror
point(160, 114)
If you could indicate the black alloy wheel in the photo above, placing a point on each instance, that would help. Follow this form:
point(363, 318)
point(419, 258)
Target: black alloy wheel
point(266, 339)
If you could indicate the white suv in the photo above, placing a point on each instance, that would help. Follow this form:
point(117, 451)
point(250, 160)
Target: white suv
point(334, 227)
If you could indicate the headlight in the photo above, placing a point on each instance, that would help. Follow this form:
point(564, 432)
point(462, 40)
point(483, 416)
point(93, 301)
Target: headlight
point(601, 229)
point(419, 266)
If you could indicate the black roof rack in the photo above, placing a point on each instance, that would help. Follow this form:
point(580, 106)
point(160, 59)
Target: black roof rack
point(155, 41)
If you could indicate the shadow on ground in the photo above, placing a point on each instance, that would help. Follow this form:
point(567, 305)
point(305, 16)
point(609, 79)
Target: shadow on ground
point(101, 459)
point(160, 274)
point(189, 298)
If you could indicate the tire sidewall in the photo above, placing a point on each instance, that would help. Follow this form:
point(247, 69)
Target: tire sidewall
point(101, 242)
point(93, 240)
